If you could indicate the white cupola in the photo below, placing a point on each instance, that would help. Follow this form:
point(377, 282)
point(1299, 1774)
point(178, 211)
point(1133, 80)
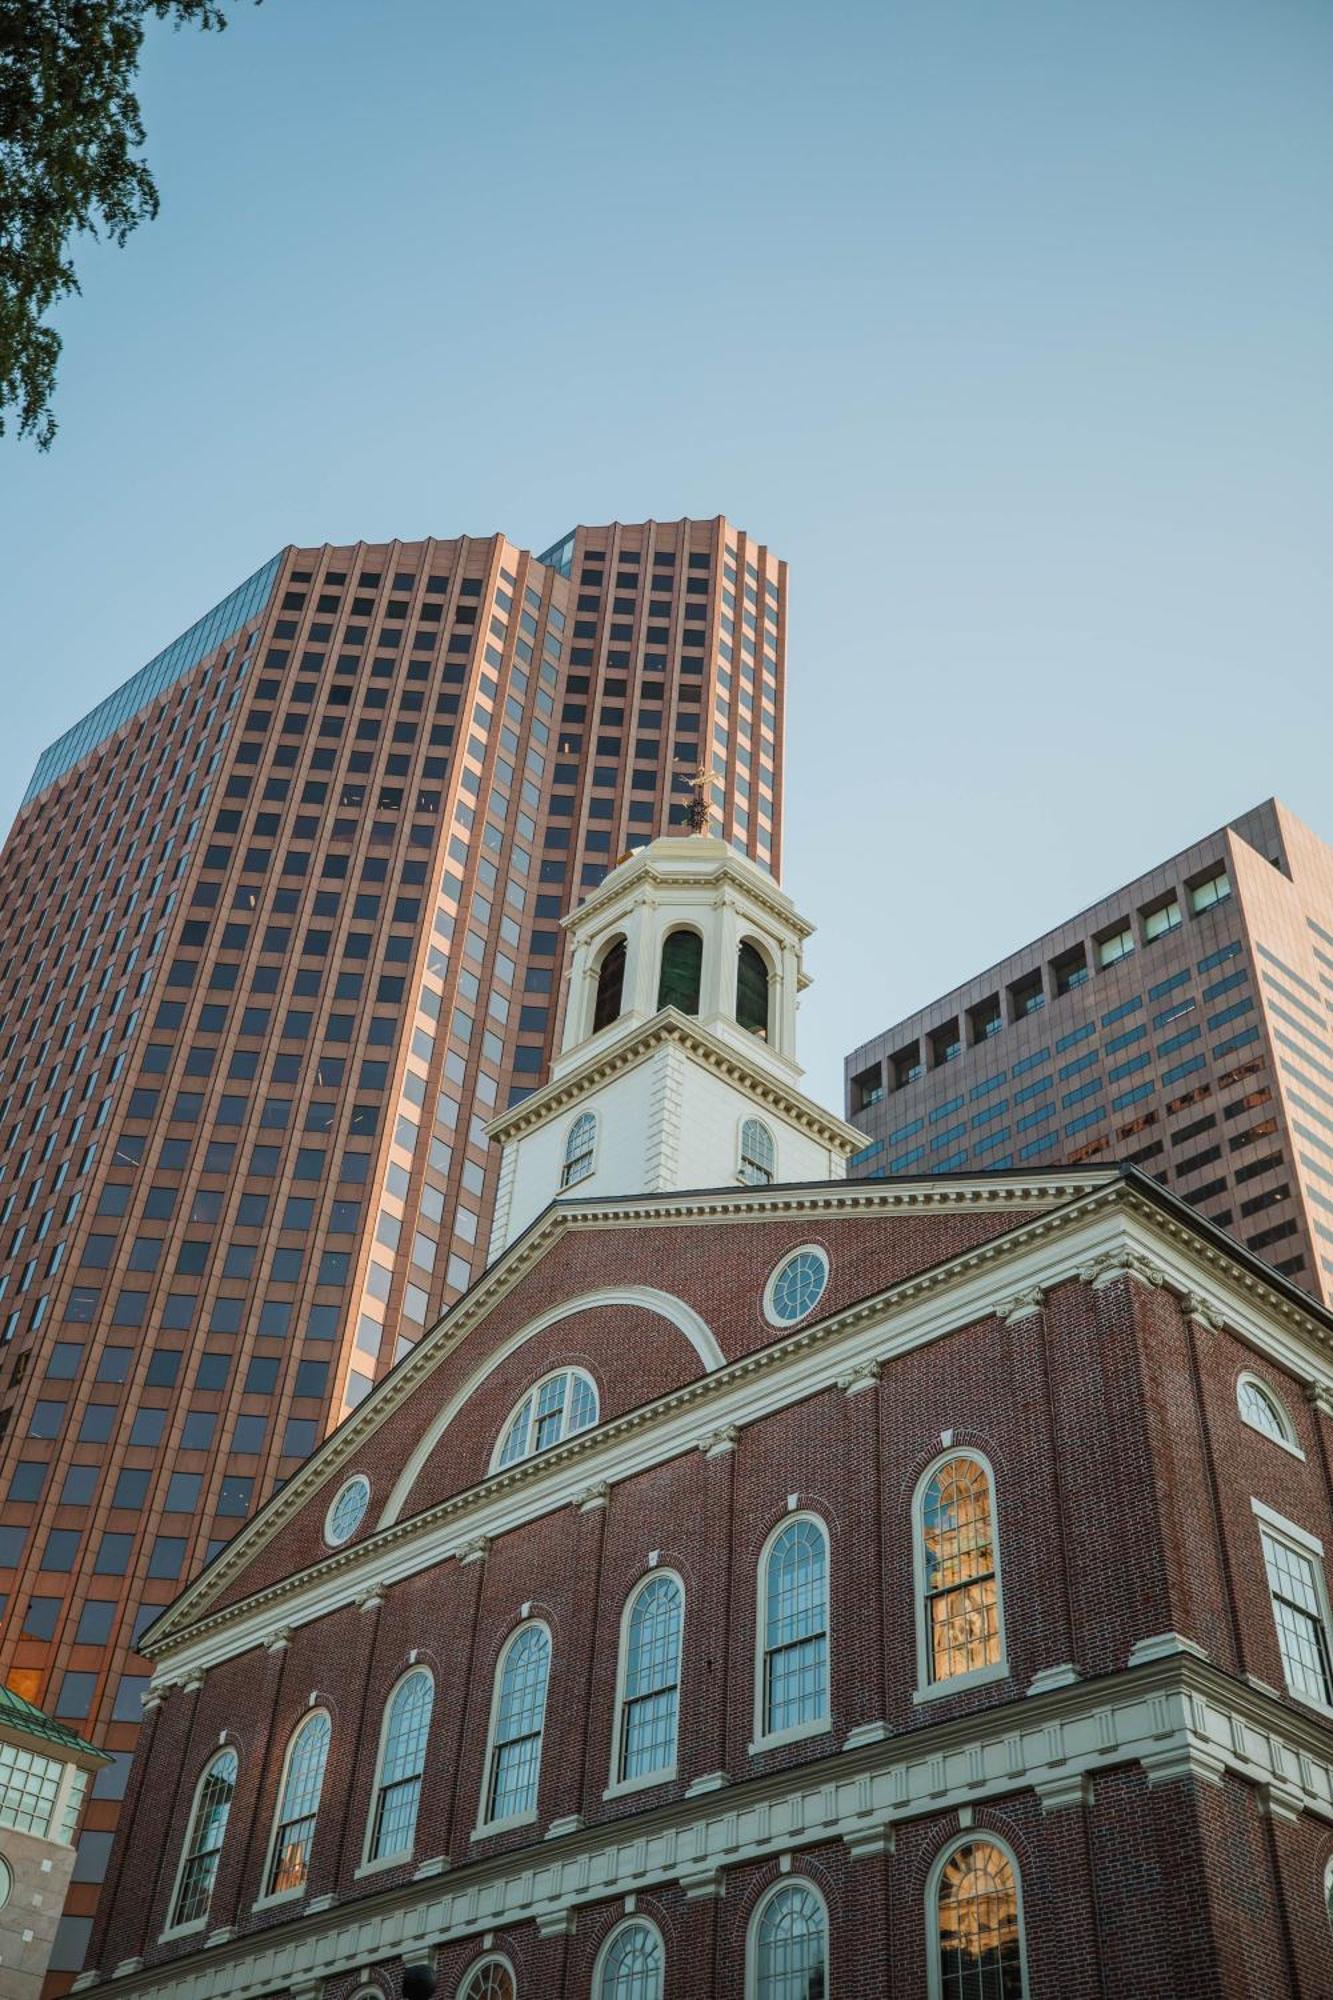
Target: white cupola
point(677, 1064)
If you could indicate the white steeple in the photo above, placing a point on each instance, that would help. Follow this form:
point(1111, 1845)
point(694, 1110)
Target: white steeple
point(677, 1064)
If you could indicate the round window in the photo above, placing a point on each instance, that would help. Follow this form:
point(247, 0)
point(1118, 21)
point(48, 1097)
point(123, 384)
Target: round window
point(348, 1511)
point(796, 1287)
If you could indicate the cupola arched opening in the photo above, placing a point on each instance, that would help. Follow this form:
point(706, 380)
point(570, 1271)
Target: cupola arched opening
point(752, 990)
point(682, 968)
point(610, 986)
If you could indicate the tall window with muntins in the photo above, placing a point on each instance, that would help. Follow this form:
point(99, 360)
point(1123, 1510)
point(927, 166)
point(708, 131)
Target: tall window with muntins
point(651, 1700)
point(682, 969)
point(632, 1965)
point(790, 1945)
point(491, 1980)
point(978, 1933)
point(393, 1823)
point(1298, 1613)
point(298, 1804)
point(752, 991)
point(795, 1628)
point(959, 1576)
point(520, 1717)
point(580, 1147)
point(29, 1787)
point(556, 1408)
point(759, 1156)
point(610, 987)
point(203, 1842)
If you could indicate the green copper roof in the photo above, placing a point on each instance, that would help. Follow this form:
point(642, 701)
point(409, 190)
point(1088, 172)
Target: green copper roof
point(16, 1713)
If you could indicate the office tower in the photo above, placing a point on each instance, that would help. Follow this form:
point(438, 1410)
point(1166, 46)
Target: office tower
point(283, 934)
point(1184, 1023)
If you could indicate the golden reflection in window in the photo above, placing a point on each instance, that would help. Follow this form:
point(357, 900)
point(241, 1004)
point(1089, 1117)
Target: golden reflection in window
point(962, 1606)
point(980, 1958)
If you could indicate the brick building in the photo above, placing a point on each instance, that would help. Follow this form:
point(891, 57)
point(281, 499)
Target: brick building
point(282, 927)
point(1184, 1023)
point(796, 1589)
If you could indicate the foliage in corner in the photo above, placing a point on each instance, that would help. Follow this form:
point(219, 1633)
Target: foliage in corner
point(70, 128)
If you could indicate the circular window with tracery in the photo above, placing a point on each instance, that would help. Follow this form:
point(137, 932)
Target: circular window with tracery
point(796, 1286)
point(348, 1511)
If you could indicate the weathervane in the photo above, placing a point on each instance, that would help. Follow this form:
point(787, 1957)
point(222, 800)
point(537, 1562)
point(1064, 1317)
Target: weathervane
point(699, 811)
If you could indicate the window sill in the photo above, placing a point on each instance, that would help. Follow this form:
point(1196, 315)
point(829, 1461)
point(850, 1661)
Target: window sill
point(489, 1828)
point(624, 1786)
point(383, 1861)
point(1281, 1443)
point(278, 1898)
point(801, 1733)
point(956, 1683)
point(1311, 1702)
point(183, 1931)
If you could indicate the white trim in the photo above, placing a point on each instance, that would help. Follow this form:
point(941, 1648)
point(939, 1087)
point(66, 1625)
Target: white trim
point(369, 1861)
point(763, 1737)
point(571, 1374)
point(636, 1920)
point(268, 1897)
point(567, 1159)
point(1287, 1440)
point(1309, 1544)
point(664, 1304)
point(486, 1826)
point(972, 1836)
point(784, 1885)
point(788, 1258)
point(927, 1688)
point(752, 1118)
point(174, 1930)
point(480, 1965)
point(616, 1784)
point(337, 1541)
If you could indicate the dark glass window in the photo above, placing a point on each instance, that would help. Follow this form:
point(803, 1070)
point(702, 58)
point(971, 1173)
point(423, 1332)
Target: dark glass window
point(682, 964)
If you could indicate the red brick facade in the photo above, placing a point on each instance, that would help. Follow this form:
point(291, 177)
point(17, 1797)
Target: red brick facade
point(1116, 1751)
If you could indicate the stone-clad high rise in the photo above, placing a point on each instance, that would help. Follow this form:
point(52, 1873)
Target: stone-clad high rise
point(282, 929)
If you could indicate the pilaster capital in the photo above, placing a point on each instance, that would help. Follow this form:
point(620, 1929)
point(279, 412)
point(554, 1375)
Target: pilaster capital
point(1021, 1305)
point(593, 1498)
point(719, 1442)
point(279, 1641)
point(1110, 1266)
point(556, 1923)
point(475, 1551)
point(192, 1682)
point(371, 1600)
point(857, 1380)
point(1319, 1395)
point(1202, 1311)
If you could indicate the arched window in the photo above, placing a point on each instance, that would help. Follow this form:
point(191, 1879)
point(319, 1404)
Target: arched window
point(493, 1979)
point(1328, 1892)
point(976, 1952)
point(682, 966)
point(393, 1817)
point(650, 1681)
point(958, 1572)
point(630, 1964)
point(203, 1840)
point(789, 1945)
point(557, 1408)
point(298, 1804)
point(610, 987)
point(752, 991)
point(580, 1146)
point(520, 1717)
point(793, 1619)
point(1262, 1411)
point(759, 1156)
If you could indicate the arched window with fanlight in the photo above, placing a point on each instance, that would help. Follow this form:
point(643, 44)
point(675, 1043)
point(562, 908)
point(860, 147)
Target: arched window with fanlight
point(974, 1922)
point(759, 1155)
point(682, 969)
point(518, 1721)
point(610, 986)
point(402, 1760)
point(960, 1631)
point(787, 1958)
point(203, 1841)
point(491, 1979)
point(793, 1664)
point(1262, 1409)
point(648, 1699)
point(580, 1149)
point(631, 1964)
point(298, 1805)
point(556, 1408)
point(752, 990)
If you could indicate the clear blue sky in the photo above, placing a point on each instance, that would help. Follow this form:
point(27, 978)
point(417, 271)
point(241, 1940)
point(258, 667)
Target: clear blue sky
point(1009, 322)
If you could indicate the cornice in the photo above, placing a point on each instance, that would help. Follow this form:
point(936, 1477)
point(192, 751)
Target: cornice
point(782, 1099)
point(759, 888)
point(1175, 1716)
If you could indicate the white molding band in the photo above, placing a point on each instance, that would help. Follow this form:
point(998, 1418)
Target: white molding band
point(1176, 1717)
